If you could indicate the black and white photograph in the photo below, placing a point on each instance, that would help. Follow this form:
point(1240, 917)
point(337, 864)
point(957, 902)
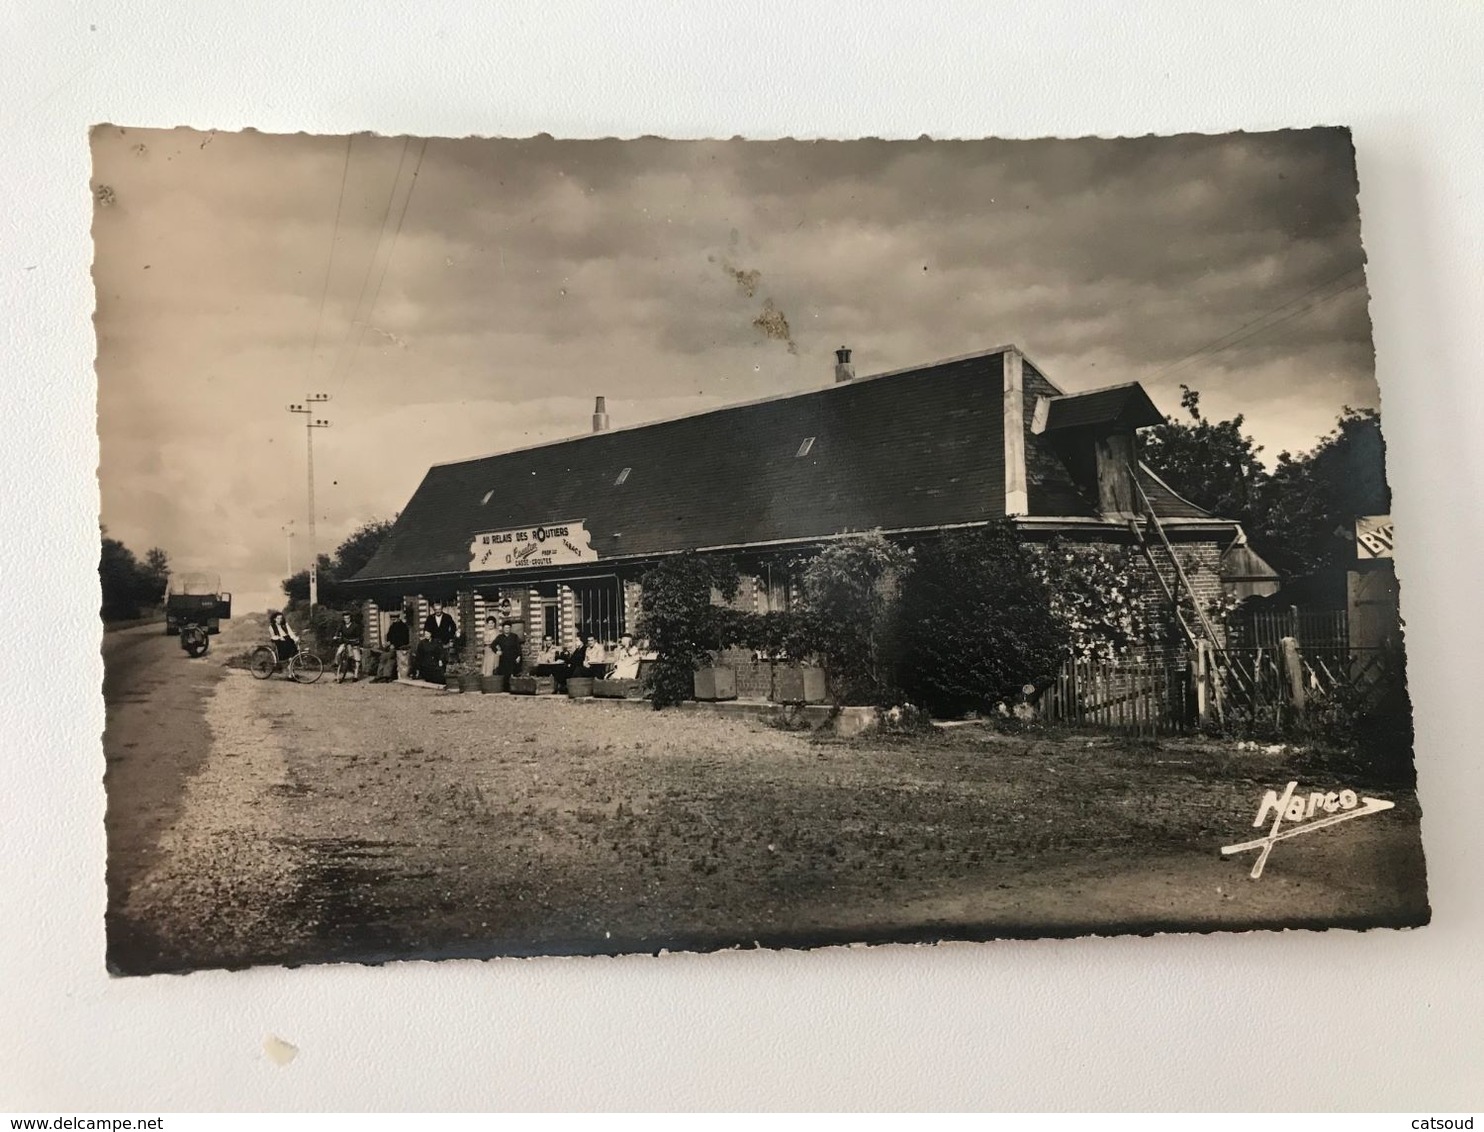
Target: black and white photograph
point(538, 547)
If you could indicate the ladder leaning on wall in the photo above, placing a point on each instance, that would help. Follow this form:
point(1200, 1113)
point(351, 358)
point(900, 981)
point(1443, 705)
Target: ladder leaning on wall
point(1206, 643)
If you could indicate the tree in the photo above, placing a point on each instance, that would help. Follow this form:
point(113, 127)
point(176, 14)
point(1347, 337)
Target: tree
point(1313, 499)
point(350, 558)
point(157, 568)
point(361, 546)
point(1213, 464)
point(1298, 517)
point(296, 586)
point(128, 586)
point(975, 622)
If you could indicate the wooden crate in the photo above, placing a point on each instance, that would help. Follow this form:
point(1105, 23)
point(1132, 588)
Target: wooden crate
point(532, 685)
point(712, 684)
point(799, 686)
point(618, 689)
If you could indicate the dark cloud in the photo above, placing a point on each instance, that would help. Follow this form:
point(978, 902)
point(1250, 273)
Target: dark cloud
point(482, 304)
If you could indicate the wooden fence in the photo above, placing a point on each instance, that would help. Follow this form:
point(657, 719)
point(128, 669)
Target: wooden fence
point(1138, 697)
point(1283, 688)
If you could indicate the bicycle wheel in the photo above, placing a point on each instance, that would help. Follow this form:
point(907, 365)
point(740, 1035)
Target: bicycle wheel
point(262, 662)
point(305, 668)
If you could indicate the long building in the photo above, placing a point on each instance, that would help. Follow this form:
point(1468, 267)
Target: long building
point(556, 536)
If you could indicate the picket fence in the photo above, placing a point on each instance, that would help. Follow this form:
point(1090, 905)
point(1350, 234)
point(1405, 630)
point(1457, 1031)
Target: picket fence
point(1274, 688)
point(1149, 697)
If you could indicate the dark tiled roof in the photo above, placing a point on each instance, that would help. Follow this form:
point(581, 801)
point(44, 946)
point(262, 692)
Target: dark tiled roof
point(1166, 504)
point(915, 449)
point(1126, 405)
point(920, 448)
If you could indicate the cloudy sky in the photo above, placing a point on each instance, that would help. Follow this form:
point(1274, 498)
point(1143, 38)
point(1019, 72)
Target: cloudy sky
point(457, 298)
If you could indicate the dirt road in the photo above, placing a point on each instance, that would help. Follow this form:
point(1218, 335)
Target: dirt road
point(254, 822)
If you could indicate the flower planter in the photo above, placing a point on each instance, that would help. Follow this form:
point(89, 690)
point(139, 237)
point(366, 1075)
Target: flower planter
point(532, 685)
point(451, 682)
point(618, 689)
point(471, 682)
point(712, 684)
point(579, 687)
point(490, 684)
point(802, 685)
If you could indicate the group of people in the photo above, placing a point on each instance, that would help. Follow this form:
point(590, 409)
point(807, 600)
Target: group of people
point(591, 658)
point(439, 638)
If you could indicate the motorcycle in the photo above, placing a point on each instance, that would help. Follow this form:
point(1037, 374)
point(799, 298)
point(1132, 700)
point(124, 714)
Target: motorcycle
point(195, 640)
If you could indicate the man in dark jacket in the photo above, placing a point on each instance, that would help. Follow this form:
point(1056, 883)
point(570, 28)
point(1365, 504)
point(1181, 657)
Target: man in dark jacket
point(394, 656)
point(444, 630)
point(441, 626)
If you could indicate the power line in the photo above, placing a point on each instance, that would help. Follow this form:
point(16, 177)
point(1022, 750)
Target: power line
point(375, 252)
point(319, 319)
point(1245, 338)
point(1219, 344)
point(386, 265)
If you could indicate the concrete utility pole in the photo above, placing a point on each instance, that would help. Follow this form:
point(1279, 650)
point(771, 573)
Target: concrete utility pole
point(311, 422)
point(288, 547)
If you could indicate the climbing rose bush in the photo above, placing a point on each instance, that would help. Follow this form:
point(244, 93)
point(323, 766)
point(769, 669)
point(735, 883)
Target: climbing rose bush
point(1100, 596)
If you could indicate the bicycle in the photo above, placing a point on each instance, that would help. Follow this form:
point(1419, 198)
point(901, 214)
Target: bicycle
point(347, 663)
point(302, 668)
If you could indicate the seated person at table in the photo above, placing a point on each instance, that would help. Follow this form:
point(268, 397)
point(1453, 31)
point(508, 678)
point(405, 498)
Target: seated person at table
point(551, 661)
point(589, 659)
point(626, 660)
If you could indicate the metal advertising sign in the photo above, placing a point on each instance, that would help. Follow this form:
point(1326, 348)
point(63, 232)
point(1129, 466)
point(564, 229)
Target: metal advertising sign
point(556, 544)
point(1373, 537)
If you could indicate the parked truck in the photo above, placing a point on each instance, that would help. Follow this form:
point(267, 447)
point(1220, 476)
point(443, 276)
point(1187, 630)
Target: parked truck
point(196, 599)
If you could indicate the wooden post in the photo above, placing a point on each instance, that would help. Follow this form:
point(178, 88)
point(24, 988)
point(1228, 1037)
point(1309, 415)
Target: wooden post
point(1293, 667)
point(1200, 676)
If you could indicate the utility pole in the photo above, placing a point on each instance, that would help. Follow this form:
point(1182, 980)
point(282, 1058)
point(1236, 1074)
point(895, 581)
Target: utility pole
point(288, 548)
point(311, 422)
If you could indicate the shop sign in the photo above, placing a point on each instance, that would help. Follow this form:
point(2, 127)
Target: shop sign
point(1373, 536)
point(556, 544)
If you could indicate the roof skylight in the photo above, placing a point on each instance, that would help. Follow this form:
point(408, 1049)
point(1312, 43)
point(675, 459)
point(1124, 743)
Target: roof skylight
point(623, 475)
point(805, 447)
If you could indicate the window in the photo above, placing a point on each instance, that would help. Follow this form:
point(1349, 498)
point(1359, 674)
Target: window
point(599, 608)
point(623, 475)
point(805, 447)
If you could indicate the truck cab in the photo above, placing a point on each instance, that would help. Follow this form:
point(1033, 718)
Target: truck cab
point(196, 599)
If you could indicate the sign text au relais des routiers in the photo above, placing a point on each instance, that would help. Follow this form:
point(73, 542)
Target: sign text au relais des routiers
point(556, 544)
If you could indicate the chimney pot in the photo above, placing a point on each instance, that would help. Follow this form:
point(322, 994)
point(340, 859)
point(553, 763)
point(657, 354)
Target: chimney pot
point(844, 371)
point(600, 415)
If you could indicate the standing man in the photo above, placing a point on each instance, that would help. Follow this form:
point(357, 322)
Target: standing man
point(398, 637)
point(442, 628)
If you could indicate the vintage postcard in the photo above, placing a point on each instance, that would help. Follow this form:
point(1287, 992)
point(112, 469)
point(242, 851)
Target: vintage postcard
point(532, 547)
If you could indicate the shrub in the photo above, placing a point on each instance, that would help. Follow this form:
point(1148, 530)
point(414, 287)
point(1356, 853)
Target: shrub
point(1100, 595)
point(974, 622)
point(849, 589)
point(682, 623)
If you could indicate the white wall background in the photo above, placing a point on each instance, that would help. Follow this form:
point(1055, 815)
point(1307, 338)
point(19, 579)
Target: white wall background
point(1339, 1020)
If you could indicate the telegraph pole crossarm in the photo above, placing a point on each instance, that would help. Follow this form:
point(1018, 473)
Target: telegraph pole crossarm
point(307, 410)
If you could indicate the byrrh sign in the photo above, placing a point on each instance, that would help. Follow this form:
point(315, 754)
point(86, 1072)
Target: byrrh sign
point(556, 544)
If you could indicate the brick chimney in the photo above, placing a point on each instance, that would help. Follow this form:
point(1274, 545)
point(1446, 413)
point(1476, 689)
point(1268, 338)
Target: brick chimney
point(600, 415)
point(844, 371)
